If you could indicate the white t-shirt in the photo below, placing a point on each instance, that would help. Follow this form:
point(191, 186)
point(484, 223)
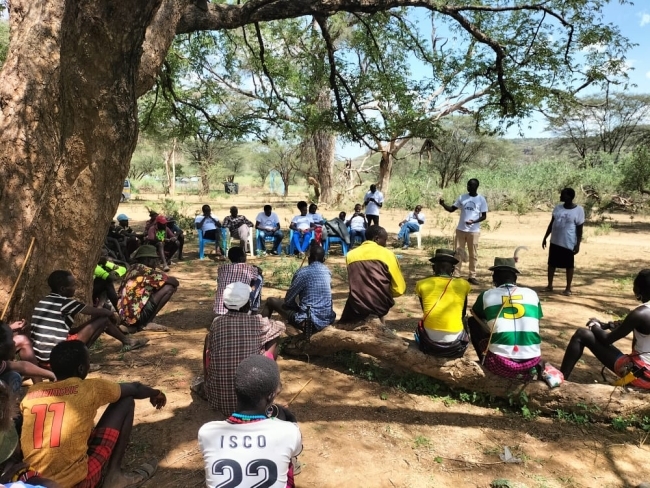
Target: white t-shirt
point(371, 207)
point(251, 454)
point(412, 218)
point(208, 224)
point(302, 221)
point(357, 223)
point(563, 232)
point(471, 208)
point(268, 223)
point(317, 218)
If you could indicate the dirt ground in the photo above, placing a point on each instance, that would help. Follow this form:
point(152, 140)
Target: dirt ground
point(359, 433)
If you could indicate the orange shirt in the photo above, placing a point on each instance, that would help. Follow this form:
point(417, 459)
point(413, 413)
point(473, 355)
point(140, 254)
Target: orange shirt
point(58, 420)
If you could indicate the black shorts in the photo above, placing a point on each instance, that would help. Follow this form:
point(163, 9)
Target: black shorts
point(147, 313)
point(212, 234)
point(560, 257)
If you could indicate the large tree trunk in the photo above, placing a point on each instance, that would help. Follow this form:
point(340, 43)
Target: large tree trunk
point(324, 146)
point(600, 402)
point(385, 170)
point(68, 127)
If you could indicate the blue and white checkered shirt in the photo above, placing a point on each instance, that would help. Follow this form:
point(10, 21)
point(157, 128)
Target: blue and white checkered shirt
point(312, 286)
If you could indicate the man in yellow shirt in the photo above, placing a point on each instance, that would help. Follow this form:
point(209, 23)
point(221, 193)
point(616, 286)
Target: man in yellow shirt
point(444, 303)
point(375, 278)
point(59, 438)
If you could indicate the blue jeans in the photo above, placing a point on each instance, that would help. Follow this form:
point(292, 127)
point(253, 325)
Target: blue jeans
point(13, 380)
point(405, 232)
point(277, 239)
point(301, 245)
point(361, 234)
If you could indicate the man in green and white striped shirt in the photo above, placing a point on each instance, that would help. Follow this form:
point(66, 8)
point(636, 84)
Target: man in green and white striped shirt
point(505, 324)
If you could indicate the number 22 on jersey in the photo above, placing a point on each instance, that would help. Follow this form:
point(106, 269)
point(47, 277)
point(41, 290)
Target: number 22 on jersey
point(40, 411)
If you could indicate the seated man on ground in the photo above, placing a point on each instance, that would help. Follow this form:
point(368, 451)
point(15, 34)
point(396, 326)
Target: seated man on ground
point(115, 243)
point(13, 472)
point(53, 320)
point(310, 295)
point(131, 239)
point(357, 224)
point(239, 226)
point(268, 225)
point(274, 442)
point(504, 326)
point(179, 234)
point(144, 292)
point(318, 222)
point(634, 368)
point(59, 438)
point(11, 371)
point(375, 278)
point(105, 275)
point(211, 228)
point(302, 227)
point(412, 223)
point(238, 271)
point(163, 239)
point(232, 338)
point(443, 299)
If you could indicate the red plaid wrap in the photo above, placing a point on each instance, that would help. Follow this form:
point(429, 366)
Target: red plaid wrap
point(100, 449)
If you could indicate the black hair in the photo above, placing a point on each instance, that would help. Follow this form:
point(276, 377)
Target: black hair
point(267, 207)
point(571, 193)
point(342, 215)
point(473, 179)
point(374, 231)
point(642, 282)
point(236, 255)
point(301, 204)
point(6, 339)
point(58, 280)
point(233, 209)
point(257, 377)
point(206, 208)
point(503, 276)
point(66, 357)
point(313, 207)
point(316, 253)
point(445, 267)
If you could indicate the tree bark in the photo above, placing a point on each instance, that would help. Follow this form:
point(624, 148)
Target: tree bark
point(599, 401)
point(385, 171)
point(324, 145)
point(68, 127)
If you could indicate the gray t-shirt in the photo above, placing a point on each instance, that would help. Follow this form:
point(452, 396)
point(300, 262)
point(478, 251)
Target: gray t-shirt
point(563, 232)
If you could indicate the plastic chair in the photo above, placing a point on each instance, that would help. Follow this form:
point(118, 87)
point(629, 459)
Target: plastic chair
point(357, 239)
point(226, 240)
point(418, 236)
point(267, 239)
point(335, 240)
point(202, 242)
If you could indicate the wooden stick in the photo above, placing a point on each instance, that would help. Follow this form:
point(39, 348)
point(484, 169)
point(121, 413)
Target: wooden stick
point(299, 392)
point(20, 274)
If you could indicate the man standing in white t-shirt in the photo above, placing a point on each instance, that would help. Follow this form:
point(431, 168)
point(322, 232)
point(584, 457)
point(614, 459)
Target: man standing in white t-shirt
point(268, 225)
point(565, 230)
point(473, 210)
point(373, 201)
point(251, 447)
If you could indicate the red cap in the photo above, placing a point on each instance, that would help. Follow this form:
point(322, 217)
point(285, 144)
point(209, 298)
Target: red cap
point(161, 219)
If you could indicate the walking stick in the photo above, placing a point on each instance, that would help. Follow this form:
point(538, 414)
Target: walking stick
point(20, 274)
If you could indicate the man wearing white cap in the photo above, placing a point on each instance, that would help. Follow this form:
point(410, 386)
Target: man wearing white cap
point(232, 338)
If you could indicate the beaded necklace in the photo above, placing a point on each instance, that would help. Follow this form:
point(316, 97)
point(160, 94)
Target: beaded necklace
point(240, 418)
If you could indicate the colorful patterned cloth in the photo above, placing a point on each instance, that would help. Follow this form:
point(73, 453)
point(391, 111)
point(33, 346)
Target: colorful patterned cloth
point(139, 284)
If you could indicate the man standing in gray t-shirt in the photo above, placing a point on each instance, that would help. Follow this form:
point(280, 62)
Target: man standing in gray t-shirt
point(565, 230)
point(473, 210)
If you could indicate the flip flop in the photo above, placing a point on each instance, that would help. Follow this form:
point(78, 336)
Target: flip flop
point(153, 327)
point(128, 329)
point(136, 345)
point(146, 470)
point(547, 290)
point(567, 293)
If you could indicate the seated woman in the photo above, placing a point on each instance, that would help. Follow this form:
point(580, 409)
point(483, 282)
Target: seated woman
point(444, 300)
point(633, 368)
point(504, 326)
point(302, 226)
point(358, 225)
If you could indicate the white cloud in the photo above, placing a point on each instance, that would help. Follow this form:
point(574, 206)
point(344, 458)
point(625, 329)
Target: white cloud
point(645, 19)
point(647, 75)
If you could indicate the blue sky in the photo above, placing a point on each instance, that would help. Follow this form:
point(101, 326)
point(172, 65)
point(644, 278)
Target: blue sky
point(634, 23)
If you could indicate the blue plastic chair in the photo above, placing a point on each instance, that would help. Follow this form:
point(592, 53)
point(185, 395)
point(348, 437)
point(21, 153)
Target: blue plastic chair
point(267, 239)
point(202, 242)
point(357, 239)
point(335, 240)
point(291, 248)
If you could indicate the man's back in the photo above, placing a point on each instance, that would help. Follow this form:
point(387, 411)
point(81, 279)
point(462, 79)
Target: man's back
point(232, 338)
point(443, 299)
point(52, 318)
point(58, 420)
point(231, 273)
point(313, 286)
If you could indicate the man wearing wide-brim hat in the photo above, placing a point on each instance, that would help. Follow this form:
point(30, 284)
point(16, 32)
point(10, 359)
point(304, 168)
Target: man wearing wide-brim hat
point(443, 298)
point(504, 326)
point(144, 292)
